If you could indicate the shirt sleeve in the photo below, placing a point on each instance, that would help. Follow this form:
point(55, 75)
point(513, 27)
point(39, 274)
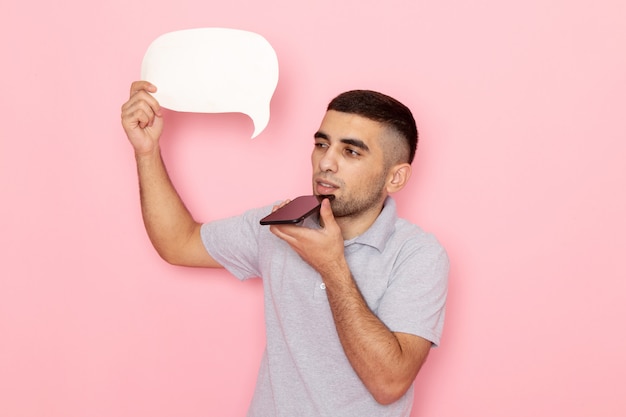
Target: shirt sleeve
point(234, 242)
point(416, 295)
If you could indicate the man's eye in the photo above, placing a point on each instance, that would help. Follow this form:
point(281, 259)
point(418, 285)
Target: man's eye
point(352, 152)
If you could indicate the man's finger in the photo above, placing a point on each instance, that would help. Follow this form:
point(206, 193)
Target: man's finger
point(326, 213)
point(138, 86)
point(280, 205)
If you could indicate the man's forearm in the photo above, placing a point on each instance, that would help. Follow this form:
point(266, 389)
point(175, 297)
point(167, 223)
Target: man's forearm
point(168, 222)
point(373, 350)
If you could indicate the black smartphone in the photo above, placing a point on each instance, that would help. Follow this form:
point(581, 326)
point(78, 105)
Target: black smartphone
point(296, 210)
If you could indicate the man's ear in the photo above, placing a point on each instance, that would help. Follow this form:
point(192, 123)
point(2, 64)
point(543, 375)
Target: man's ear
point(398, 177)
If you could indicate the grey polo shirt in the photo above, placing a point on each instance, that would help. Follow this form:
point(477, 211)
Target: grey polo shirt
point(401, 272)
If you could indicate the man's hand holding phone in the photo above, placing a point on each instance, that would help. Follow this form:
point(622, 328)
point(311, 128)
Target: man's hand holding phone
point(320, 248)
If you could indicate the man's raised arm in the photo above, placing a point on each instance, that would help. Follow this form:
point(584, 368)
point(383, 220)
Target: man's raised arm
point(171, 228)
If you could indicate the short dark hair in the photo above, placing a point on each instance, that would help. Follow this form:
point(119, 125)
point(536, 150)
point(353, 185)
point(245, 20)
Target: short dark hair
point(380, 108)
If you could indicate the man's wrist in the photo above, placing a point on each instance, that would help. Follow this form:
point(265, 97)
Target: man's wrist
point(148, 155)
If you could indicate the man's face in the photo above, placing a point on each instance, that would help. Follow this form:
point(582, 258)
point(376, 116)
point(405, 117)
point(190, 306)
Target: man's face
point(348, 162)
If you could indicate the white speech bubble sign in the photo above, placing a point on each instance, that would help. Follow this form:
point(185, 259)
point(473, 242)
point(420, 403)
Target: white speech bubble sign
point(213, 70)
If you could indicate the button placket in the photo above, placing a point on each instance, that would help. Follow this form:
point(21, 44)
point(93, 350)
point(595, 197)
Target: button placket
point(319, 292)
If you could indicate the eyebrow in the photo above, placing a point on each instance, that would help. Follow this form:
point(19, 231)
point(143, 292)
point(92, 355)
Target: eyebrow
point(348, 141)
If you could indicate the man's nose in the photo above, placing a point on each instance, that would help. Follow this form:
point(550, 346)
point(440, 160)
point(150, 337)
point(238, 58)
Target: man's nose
point(328, 162)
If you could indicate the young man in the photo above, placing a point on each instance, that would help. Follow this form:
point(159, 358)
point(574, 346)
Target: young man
point(354, 297)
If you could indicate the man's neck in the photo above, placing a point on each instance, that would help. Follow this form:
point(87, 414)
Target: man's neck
point(353, 226)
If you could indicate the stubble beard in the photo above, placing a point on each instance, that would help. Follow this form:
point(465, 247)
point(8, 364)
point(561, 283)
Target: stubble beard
point(348, 206)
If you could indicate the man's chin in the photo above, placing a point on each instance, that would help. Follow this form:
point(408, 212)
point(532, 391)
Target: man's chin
point(321, 197)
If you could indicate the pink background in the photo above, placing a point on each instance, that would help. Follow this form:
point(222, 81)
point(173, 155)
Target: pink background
point(521, 173)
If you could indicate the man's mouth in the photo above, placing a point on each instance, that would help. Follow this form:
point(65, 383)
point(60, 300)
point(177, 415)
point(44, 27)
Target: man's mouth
point(325, 187)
